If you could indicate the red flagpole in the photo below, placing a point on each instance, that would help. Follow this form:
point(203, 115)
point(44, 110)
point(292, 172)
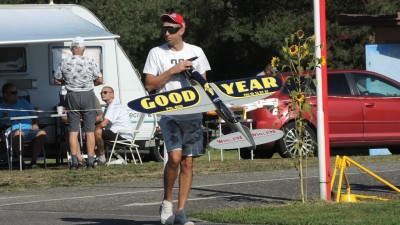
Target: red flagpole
point(325, 96)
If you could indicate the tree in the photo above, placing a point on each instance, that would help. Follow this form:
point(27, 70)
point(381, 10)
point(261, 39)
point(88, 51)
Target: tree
point(238, 36)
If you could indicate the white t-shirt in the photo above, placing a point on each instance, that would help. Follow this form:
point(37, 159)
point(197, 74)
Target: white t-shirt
point(118, 118)
point(161, 59)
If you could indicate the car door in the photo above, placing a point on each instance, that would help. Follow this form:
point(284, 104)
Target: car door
point(380, 98)
point(345, 112)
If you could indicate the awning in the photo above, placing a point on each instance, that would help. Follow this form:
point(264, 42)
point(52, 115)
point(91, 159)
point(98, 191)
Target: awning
point(53, 24)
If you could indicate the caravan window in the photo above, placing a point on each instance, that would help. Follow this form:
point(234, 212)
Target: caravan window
point(12, 60)
point(60, 52)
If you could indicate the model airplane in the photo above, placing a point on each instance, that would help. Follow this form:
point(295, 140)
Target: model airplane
point(203, 96)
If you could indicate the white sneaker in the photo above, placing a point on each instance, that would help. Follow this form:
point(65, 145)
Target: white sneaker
point(181, 218)
point(166, 215)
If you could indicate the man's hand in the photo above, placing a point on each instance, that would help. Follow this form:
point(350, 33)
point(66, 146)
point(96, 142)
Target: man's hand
point(182, 66)
point(35, 126)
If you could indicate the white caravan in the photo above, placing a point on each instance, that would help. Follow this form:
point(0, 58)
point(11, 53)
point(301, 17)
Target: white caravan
point(34, 39)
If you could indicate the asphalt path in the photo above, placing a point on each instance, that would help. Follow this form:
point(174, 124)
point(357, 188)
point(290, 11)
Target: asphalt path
point(138, 202)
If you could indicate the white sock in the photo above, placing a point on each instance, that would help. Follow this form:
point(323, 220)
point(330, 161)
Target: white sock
point(102, 158)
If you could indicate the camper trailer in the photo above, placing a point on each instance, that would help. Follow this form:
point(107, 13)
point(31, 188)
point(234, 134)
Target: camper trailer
point(33, 41)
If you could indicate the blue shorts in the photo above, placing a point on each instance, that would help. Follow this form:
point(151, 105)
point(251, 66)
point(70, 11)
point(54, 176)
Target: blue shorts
point(29, 135)
point(182, 135)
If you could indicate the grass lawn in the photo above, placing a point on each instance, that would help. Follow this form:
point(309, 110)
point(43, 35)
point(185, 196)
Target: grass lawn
point(318, 213)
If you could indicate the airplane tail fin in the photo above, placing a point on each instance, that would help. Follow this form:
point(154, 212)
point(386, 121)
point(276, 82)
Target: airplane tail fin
point(249, 137)
point(238, 140)
point(245, 131)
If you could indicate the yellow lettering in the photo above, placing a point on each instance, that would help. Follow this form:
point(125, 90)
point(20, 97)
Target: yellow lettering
point(146, 104)
point(254, 84)
point(188, 96)
point(164, 100)
point(175, 97)
point(228, 88)
point(241, 86)
point(161, 100)
point(208, 88)
point(269, 82)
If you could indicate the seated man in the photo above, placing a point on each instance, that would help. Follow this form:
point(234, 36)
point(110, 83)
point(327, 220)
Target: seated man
point(29, 127)
point(115, 118)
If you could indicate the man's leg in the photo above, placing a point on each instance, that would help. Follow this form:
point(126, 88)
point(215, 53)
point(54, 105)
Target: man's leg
point(98, 133)
point(192, 146)
point(90, 143)
point(17, 146)
point(185, 181)
point(170, 174)
point(74, 147)
point(38, 145)
point(79, 155)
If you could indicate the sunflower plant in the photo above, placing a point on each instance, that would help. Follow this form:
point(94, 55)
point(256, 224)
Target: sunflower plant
point(297, 58)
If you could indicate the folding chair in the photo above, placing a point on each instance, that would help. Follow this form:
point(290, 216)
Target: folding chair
point(126, 143)
point(21, 160)
point(22, 94)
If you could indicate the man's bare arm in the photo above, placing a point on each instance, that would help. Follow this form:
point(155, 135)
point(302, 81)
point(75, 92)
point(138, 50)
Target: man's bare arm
point(153, 82)
point(98, 81)
point(58, 81)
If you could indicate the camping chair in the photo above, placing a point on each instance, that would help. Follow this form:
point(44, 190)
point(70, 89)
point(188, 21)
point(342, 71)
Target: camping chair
point(126, 143)
point(27, 145)
point(22, 94)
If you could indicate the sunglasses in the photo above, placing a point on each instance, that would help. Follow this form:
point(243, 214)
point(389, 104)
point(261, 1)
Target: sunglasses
point(105, 92)
point(13, 92)
point(170, 29)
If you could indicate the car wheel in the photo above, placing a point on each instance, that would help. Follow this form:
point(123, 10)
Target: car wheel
point(289, 140)
point(245, 153)
point(394, 150)
point(157, 152)
point(260, 152)
point(265, 154)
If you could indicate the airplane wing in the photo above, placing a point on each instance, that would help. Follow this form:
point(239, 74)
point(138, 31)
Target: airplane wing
point(186, 100)
point(194, 99)
point(242, 91)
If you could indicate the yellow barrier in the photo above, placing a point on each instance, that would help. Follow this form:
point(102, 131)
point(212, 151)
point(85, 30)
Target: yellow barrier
point(342, 164)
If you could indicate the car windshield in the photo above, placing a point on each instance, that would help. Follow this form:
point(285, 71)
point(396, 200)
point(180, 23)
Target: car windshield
point(375, 86)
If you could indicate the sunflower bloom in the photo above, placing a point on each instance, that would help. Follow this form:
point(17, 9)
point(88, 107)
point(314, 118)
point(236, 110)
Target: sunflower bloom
point(293, 50)
point(300, 34)
point(306, 52)
point(300, 97)
point(275, 61)
point(323, 61)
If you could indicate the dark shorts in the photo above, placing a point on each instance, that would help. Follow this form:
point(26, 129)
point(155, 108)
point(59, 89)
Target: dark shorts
point(109, 135)
point(81, 105)
point(185, 135)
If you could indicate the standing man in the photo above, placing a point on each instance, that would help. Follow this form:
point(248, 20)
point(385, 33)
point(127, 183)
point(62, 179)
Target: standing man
point(80, 74)
point(182, 134)
point(116, 118)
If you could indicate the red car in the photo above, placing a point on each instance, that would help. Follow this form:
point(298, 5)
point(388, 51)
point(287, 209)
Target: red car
point(364, 112)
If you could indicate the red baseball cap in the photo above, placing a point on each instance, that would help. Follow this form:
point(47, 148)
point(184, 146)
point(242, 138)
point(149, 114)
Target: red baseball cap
point(177, 18)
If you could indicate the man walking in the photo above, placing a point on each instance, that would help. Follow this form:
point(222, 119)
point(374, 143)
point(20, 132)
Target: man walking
point(182, 134)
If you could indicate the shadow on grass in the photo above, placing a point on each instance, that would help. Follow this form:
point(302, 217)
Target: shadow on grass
point(240, 196)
